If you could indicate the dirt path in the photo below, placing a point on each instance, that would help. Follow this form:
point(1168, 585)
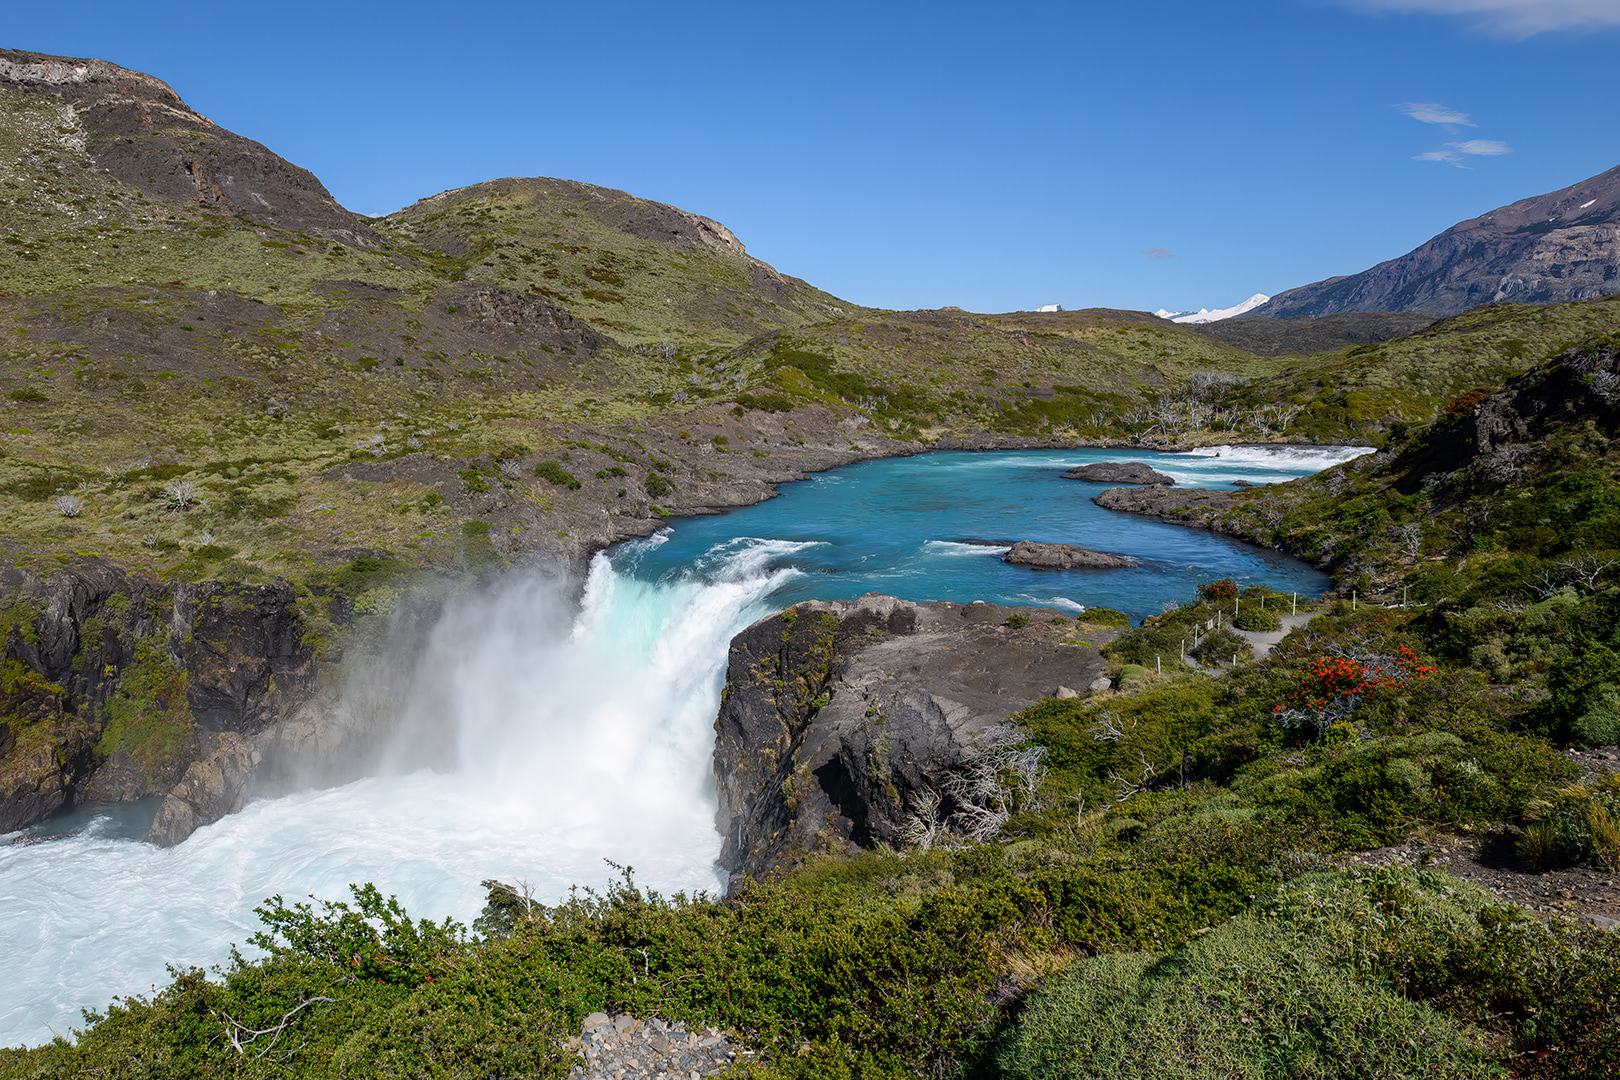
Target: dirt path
point(1263, 641)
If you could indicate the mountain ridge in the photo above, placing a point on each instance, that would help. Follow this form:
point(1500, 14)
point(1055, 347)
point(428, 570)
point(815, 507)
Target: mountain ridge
point(1529, 251)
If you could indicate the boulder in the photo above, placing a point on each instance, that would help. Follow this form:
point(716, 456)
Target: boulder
point(1063, 557)
point(1197, 507)
point(839, 717)
point(1117, 472)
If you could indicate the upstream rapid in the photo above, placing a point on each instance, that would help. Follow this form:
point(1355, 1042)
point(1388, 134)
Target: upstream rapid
point(583, 727)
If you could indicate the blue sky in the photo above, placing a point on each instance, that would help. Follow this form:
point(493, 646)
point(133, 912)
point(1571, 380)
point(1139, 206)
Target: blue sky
point(912, 155)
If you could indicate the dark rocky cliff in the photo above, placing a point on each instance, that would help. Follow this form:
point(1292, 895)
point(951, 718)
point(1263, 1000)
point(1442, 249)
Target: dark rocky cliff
point(116, 687)
point(1548, 249)
point(1501, 438)
point(837, 716)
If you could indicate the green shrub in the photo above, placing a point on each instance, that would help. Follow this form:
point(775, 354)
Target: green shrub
point(1101, 616)
point(554, 472)
point(1598, 722)
point(1145, 644)
point(656, 486)
point(28, 394)
point(1282, 990)
point(1578, 825)
point(1220, 646)
point(1257, 618)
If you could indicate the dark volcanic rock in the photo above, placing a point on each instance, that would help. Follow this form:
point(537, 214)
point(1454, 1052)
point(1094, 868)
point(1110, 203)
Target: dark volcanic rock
point(207, 665)
point(1063, 557)
point(1118, 472)
point(1182, 505)
point(838, 715)
point(1548, 249)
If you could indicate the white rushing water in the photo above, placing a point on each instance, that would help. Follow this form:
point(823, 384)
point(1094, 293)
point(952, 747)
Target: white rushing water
point(580, 735)
point(1258, 464)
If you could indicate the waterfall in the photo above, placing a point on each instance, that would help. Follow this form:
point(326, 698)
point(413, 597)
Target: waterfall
point(579, 734)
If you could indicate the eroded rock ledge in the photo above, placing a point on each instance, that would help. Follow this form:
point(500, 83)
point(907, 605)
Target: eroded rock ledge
point(836, 714)
point(1063, 557)
point(1118, 472)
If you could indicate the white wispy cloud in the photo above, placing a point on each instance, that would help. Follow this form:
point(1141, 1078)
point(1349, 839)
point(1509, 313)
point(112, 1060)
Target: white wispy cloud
point(1485, 147)
point(1431, 113)
point(1508, 18)
point(1455, 152)
point(1158, 253)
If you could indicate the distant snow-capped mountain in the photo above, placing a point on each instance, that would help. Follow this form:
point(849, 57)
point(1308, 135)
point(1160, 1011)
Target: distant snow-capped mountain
point(1204, 315)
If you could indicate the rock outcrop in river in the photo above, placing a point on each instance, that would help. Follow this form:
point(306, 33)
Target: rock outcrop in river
point(837, 716)
point(1118, 472)
point(1184, 506)
point(1063, 557)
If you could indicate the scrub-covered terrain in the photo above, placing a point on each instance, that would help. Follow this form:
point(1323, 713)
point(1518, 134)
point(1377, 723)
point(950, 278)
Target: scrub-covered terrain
point(246, 436)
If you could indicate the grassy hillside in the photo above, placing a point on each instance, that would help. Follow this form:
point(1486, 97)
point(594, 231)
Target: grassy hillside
point(148, 339)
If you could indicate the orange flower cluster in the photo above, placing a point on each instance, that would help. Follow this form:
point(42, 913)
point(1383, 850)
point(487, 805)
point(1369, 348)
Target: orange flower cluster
point(1327, 678)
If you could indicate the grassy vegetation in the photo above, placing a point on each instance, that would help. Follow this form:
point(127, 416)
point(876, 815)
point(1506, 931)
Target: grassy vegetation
point(143, 341)
point(225, 399)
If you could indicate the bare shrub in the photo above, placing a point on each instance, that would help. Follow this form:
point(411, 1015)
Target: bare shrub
point(69, 505)
point(179, 495)
point(998, 777)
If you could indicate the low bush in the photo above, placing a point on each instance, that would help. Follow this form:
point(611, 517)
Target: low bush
point(1221, 646)
point(1101, 616)
point(556, 474)
point(1576, 825)
point(1255, 617)
point(1279, 991)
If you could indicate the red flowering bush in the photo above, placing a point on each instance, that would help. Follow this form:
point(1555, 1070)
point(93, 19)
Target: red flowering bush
point(1330, 687)
point(1215, 592)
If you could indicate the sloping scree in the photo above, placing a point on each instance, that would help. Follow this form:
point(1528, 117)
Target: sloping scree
point(621, 1047)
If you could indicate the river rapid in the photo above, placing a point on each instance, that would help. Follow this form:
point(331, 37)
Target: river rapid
point(583, 718)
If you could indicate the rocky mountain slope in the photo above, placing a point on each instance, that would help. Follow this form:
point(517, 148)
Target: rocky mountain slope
point(1547, 249)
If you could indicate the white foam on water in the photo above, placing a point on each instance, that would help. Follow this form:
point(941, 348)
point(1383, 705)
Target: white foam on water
point(580, 734)
point(1293, 458)
point(956, 547)
point(1209, 465)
